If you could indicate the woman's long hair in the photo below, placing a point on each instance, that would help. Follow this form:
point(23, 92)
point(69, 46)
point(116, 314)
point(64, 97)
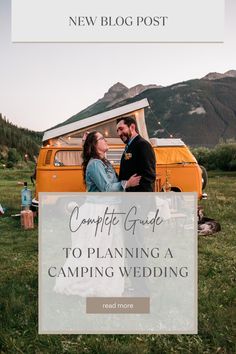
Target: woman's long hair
point(90, 151)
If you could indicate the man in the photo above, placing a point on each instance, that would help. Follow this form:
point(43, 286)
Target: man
point(138, 156)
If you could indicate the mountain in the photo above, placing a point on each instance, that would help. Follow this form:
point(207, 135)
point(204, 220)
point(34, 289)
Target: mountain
point(117, 93)
point(217, 76)
point(202, 111)
point(23, 140)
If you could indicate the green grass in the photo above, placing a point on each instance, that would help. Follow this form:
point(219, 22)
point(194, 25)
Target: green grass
point(19, 285)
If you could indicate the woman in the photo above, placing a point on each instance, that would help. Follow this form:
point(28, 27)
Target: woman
point(99, 175)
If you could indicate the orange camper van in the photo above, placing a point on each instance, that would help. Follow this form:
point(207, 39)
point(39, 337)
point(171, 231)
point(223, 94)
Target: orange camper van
point(59, 165)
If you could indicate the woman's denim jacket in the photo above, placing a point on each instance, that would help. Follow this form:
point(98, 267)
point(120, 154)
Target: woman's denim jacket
point(101, 177)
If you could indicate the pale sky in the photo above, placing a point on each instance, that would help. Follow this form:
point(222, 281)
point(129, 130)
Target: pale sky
point(42, 85)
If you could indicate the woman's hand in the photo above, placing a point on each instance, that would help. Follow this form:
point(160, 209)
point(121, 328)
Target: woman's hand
point(133, 181)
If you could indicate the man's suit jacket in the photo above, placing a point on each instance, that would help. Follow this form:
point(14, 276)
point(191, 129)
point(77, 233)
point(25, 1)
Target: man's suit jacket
point(139, 158)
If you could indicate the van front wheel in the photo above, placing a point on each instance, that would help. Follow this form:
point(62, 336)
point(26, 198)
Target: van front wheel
point(204, 177)
point(175, 189)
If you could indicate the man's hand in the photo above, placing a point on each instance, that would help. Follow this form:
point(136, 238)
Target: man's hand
point(133, 181)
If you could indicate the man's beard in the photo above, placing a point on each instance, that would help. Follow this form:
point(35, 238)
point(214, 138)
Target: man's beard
point(125, 137)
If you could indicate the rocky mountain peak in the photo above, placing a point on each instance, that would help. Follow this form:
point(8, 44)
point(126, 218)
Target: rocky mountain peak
point(117, 87)
point(120, 92)
point(115, 91)
point(137, 89)
point(217, 76)
point(230, 73)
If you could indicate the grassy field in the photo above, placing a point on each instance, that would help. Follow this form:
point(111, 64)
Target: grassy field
point(19, 285)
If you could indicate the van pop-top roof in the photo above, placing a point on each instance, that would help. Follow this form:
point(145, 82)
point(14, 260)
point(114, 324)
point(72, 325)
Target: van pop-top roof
point(105, 122)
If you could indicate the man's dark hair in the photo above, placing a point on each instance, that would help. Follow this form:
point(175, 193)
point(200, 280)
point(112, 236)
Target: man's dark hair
point(128, 120)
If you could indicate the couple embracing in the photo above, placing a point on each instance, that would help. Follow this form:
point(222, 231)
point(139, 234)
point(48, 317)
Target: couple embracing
point(137, 166)
point(137, 173)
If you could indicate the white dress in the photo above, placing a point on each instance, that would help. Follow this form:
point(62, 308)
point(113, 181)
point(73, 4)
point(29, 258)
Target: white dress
point(88, 281)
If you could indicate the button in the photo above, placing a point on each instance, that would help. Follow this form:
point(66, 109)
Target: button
point(118, 305)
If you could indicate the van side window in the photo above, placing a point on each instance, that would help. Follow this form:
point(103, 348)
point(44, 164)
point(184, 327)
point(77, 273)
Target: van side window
point(48, 157)
point(68, 158)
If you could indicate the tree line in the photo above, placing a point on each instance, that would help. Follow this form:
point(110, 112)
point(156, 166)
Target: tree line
point(17, 144)
point(221, 157)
